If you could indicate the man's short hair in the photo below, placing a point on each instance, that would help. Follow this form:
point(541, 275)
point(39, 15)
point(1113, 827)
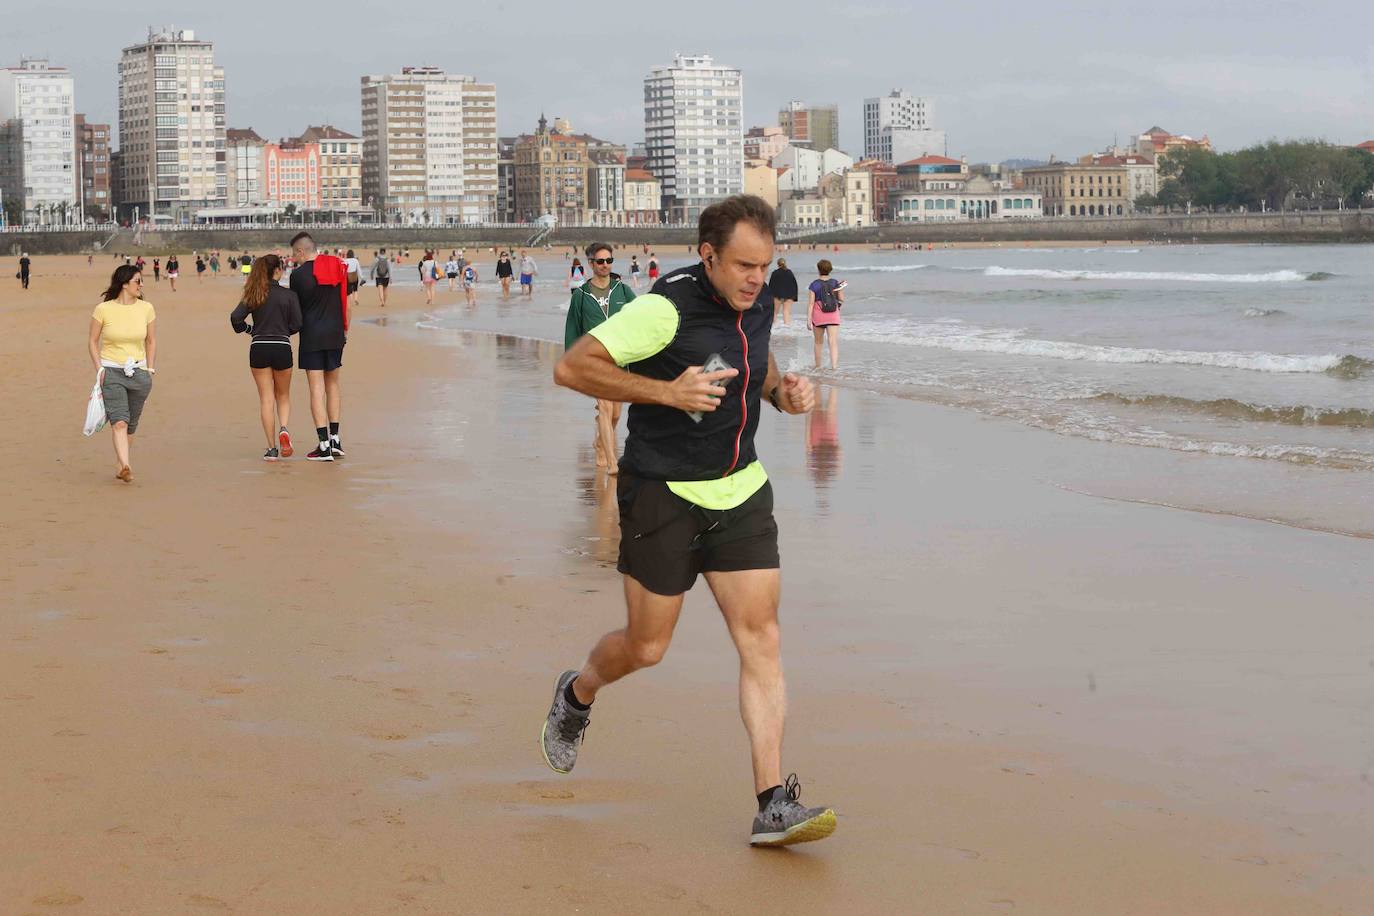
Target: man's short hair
point(594, 247)
point(718, 221)
point(824, 267)
point(302, 235)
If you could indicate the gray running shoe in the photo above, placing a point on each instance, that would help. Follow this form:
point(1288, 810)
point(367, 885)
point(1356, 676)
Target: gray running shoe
point(563, 729)
point(783, 821)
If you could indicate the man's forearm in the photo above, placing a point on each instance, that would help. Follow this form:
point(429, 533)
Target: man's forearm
point(601, 379)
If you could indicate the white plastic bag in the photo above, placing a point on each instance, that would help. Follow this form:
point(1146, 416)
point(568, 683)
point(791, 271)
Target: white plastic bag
point(95, 408)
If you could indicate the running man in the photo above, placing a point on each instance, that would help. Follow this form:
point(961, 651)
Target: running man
point(693, 496)
point(592, 302)
point(527, 271)
point(320, 282)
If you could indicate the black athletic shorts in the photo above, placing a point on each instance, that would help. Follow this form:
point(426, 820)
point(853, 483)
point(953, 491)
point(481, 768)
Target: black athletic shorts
point(352, 287)
point(328, 360)
point(270, 354)
point(383, 281)
point(665, 541)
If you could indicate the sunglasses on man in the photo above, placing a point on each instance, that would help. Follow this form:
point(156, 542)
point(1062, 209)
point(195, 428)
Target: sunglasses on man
point(603, 260)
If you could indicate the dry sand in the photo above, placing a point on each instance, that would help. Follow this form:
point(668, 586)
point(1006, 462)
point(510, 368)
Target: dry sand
point(298, 688)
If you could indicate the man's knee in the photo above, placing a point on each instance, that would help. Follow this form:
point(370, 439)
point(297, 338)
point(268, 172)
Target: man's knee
point(759, 637)
point(120, 424)
point(645, 653)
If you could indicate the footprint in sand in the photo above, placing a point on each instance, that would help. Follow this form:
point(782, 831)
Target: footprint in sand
point(59, 898)
point(423, 874)
point(207, 902)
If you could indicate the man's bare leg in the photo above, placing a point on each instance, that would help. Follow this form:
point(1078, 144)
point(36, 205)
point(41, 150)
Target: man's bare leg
point(649, 627)
point(748, 600)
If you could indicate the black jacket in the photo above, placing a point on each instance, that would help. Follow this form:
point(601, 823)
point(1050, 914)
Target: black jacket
point(323, 327)
point(783, 284)
point(664, 443)
point(276, 319)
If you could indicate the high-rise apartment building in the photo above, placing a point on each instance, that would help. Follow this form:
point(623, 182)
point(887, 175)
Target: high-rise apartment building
point(171, 126)
point(39, 176)
point(244, 173)
point(341, 168)
point(93, 168)
point(505, 180)
point(693, 133)
point(814, 126)
point(429, 146)
point(900, 126)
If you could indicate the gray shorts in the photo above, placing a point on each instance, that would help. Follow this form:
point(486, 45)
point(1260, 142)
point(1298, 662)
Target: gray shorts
point(125, 395)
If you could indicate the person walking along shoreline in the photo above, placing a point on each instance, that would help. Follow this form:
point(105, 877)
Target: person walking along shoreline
point(320, 282)
point(276, 314)
point(123, 348)
point(595, 300)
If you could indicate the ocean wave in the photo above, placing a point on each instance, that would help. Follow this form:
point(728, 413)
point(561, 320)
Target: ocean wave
point(1263, 313)
point(1234, 409)
point(1276, 276)
point(1012, 343)
point(878, 268)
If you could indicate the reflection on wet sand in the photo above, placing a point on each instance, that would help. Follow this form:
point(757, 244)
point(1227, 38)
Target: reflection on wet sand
point(824, 456)
point(597, 490)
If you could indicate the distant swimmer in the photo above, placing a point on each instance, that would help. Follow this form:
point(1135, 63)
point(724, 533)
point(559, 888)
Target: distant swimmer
point(693, 497)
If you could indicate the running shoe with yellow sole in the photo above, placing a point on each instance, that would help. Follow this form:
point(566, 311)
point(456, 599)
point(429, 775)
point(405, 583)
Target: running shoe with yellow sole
point(563, 729)
point(783, 821)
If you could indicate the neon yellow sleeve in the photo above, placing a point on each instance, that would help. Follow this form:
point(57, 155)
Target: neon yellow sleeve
point(639, 330)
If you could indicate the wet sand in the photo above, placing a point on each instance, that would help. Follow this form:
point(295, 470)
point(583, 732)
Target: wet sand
point(304, 688)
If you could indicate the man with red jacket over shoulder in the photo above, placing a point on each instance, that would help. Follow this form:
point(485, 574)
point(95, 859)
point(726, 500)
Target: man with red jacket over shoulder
point(320, 282)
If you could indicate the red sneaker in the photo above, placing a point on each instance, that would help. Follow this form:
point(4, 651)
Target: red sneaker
point(284, 440)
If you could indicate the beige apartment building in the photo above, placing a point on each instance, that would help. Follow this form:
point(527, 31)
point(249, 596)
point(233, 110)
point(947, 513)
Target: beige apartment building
point(576, 178)
point(643, 198)
point(761, 180)
point(1069, 189)
point(172, 127)
point(429, 147)
point(341, 168)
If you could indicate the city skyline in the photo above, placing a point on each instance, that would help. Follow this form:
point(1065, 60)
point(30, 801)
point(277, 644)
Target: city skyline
point(1212, 71)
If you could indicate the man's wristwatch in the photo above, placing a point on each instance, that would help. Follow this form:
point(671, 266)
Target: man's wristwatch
point(773, 398)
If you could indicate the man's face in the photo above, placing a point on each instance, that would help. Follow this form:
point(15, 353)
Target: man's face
point(738, 271)
point(601, 263)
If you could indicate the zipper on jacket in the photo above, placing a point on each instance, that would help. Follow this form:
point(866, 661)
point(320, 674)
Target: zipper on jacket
point(743, 394)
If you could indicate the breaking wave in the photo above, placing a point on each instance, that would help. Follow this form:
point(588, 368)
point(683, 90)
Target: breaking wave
point(1276, 276)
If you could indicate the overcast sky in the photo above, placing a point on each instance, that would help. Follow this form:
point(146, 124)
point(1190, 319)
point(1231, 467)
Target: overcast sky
point(1007, 79)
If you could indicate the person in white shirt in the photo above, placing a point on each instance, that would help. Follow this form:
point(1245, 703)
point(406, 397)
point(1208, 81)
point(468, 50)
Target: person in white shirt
point(451, 268)
point(355, 276)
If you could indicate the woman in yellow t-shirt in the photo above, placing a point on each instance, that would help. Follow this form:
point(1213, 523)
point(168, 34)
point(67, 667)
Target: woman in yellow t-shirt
point(123, 342)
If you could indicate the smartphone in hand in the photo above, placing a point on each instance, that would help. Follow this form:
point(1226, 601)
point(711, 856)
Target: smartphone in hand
point(714, 363)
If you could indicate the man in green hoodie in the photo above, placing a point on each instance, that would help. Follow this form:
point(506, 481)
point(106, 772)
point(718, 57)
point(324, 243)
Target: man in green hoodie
point(592, 303)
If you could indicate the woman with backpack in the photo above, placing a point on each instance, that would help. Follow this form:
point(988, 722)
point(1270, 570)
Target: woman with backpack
point(827, 297)
point(429, 275)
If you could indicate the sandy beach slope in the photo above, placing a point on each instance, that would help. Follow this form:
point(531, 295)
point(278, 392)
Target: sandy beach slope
point(294, 688)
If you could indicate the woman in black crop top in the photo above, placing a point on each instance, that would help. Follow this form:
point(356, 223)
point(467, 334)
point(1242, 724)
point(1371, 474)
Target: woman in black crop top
point(276, 314)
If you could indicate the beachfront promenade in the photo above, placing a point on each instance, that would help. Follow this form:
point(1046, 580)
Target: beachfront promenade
point(1308, 226)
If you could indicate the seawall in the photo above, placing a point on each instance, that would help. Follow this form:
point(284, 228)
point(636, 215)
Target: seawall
point(1329, 226)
